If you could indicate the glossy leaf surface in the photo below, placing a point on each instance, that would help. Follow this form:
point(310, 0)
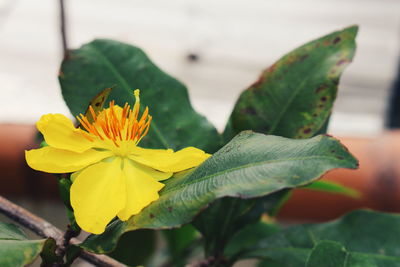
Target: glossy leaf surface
point(105, 63)
point(251, 165)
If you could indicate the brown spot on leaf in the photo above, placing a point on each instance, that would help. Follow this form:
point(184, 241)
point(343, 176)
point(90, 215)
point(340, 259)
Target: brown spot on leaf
point(323, 99)
point(271, 68)
point(321, 88)
point(333, 151)
point(307, 131)
point(170, 209)
point(260, 81)
point(315, 115)
point(336, 40)
point(339, 157)
point(303, 57)
point(151, 216)
point(342, 61)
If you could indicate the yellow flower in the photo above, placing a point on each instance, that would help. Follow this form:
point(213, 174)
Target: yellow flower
point(112, 176)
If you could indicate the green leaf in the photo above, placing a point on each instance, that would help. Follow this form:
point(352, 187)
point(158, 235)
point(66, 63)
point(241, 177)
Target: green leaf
point(73, 252)
point(334, 188)
point(134, 248)
point(369, 238)
point(333, 254)
point(179, 243)
point(49, 255)
point(251, 165)
point(107, 241)
point(294, 97)
point(329, 254)
point(106, 63)
point(64, 186)
point(15, 248)
point(247, 237)
point(219, 222)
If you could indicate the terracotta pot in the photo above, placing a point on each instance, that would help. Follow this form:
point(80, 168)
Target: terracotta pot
point(378, 178)
point(17, 179)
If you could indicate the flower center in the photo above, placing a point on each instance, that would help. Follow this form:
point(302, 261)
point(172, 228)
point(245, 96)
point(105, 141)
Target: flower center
point(118, 124)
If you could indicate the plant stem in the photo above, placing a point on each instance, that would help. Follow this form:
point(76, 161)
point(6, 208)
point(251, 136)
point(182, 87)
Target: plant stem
point(63, 29)
point(47, 230)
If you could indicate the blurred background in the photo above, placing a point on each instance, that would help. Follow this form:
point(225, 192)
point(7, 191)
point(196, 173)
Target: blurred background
point(217, 48)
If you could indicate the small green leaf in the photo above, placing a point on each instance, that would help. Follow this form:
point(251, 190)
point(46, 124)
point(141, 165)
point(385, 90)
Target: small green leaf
point(294, 97)
point(48, 254)
point(369, 238)
point(105, 63)
point(15, 249)
point(251, 165)
point(334, 188)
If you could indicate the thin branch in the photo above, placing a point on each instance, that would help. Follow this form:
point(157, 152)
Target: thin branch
point(46, 230)
point(63, 29)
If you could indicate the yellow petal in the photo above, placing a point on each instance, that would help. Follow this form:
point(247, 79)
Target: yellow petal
point(59, 132)
point(53, 160)
point(97, 195)
point(167, 161)
point(141, 189)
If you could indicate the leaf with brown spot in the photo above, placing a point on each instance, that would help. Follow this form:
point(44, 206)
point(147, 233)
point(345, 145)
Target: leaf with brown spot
point(303, 99)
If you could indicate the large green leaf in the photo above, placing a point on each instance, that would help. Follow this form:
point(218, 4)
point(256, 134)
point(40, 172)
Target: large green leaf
point(294, 97)
point(367, 238)
point(251, 165)
point(106, 63)
point(15, 249)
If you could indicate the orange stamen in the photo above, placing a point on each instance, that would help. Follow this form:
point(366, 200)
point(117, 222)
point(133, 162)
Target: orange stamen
point(117, 125)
